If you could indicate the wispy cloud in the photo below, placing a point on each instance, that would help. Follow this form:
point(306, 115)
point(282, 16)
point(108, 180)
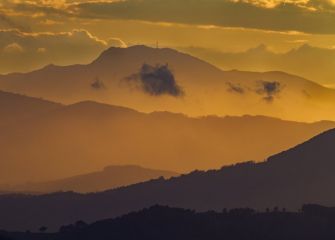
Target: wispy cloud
point(310, 16)
point(7, 21)
point(315, 16)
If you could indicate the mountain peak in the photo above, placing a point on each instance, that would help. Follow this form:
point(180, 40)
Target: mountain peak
point(136, 50)
point(262, 48)
point(92, 106)
point(50, 66)
point(303, 49)
point(118, 167)
point(145, 54)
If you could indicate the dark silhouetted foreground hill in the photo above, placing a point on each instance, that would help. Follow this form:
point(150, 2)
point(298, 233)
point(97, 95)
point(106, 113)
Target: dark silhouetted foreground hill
point(300, 175)
point(164, 223)
point(110, 177)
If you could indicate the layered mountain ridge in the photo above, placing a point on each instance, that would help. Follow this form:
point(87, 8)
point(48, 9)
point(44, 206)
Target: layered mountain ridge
point(116, 77)
point(303, 174)
point(75, 139)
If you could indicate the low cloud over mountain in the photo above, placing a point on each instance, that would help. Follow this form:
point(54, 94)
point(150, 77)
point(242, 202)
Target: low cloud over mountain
point(157, 80)
point(133, 75)
point(269, 90)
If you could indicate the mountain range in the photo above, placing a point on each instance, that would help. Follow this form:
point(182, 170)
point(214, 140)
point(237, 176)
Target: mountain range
point(149, 79)
point(303, 174)
point(300, 61)
point(110, 177)
point(57, 141)
point(159, 109)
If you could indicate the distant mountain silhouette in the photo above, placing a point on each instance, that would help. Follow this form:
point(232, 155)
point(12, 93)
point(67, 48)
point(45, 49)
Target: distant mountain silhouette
point(164, 223)
point(303, 174)
point(299, 61)
point(110, 177)
point(87, 136)
point(118, 76)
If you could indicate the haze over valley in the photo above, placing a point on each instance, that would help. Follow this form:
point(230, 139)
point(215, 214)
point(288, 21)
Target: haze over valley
point(126, 77)
point(167, 119)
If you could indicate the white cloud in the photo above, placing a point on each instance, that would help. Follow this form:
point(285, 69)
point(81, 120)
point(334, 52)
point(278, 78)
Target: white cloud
point(13, 48)
point(116, 42)
point(43, 48)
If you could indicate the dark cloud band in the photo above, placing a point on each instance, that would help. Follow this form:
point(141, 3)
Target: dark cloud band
point(283, 17)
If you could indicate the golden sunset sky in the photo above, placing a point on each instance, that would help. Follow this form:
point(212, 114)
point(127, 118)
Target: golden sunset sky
point(38, 32)
point(250, 58)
